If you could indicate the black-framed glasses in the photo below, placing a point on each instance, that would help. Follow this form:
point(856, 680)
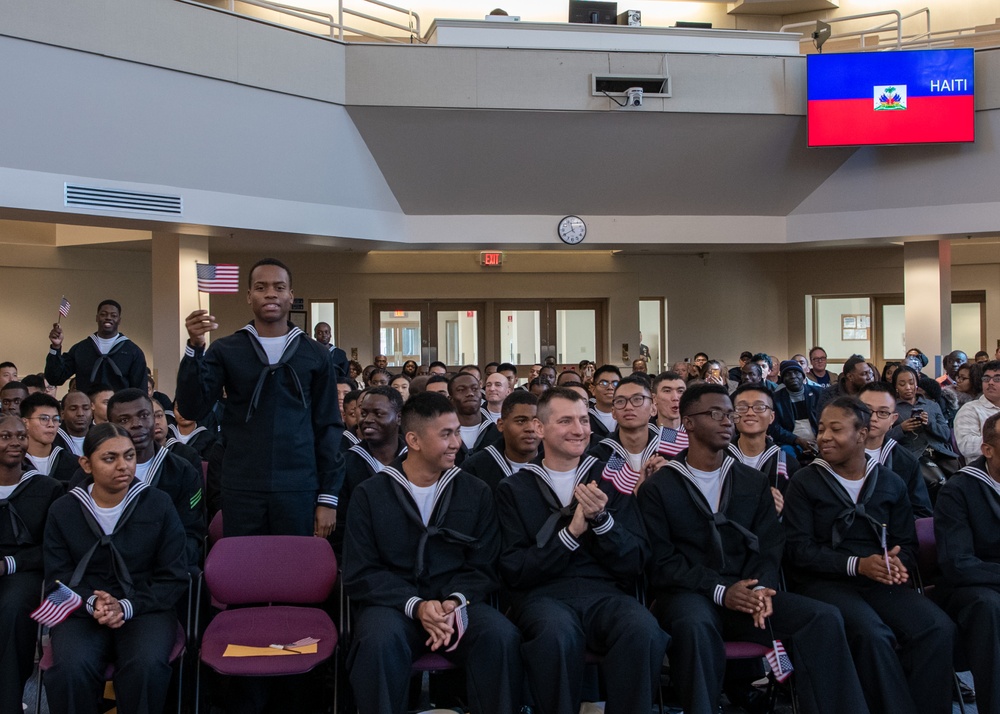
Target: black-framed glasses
point(607, 383)
point(995, 379)
point(742, 409)
point(719, 415)
point(882, 413)
point(636, 400)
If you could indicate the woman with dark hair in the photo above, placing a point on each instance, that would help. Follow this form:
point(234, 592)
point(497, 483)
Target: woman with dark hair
point(409, 368)
point(851, 542)
point(354, 373)
point(889, 371)
point(120, 545)
point(922, 427)
point(401, 383)
point(969, 382)
point(25, 498)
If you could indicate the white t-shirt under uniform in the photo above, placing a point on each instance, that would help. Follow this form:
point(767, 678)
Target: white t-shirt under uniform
point(710, 485)
point(273, 347)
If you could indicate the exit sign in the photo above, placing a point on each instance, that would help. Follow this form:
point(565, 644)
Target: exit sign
point(489, 259)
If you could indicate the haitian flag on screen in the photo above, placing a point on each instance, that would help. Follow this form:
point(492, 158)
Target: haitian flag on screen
point(903, 97)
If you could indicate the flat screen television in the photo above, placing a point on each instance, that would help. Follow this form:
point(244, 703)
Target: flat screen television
point(901, 97)
point(593, 13)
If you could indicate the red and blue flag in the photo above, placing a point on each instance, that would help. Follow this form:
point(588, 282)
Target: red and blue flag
point(904, 97)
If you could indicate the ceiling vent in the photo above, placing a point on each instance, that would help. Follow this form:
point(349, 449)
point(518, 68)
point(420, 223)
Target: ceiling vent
point(120, 199)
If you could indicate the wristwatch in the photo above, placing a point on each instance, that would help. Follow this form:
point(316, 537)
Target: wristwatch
point(599, 519)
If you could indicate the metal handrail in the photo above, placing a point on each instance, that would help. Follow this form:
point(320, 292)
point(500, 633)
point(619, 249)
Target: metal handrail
point(899, 24)
point(336, 26)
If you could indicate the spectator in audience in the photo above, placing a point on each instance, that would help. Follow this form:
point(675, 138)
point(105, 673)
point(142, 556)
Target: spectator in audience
point(351, 418)
point(409, 368)
point(324, 335)
point(714, 372)
point(25, 499)
point(982, 357)
point(99, 395)
point(495, 391)
point(635, 440)
point(535, 387)
point(881, 447)
point(437, 367)
point(11, 396)
point(971, 417)
point(602, 418)
point(547, 376)
point(40, 414)
point(804, 364)
point(851, 542)
point(437, 383)
point(401, 383)
point(34, 383)
point(421, 544)
point(951, 362)
point(754, 407)
point(354, 371)
point(119, 544)
point(752, 373)
point(366, 374)
point(968, 383)
point(915, 359)
point(566, 376)
point(736, 373)
point(518, 444)
point(163, 439)
point(967, 530)
point(473, 370)
point(77, 416)
point(283, 467)
point(668, 388)
point(381, 362)
point(509, 371)
point(889, 371)
point(922, 427)
point(490, 368)
point(795, 410)
point(572, 547)
point(639, 365)
point(699, 360)
point(855, 375)
point(533, 371)
point(107, 356)
point(818, 373)
point(380, 445)
point(187, 431)
point(476, 428)
point(379, 377)
point(716, 550)
point(8, 373)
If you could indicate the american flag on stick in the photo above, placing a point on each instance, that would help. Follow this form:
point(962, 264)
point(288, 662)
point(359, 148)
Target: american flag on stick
point(63, 307)
point(779, 661)
point(216, 279)
point(621, 474)
point(461, 624)
point(57, 605)
point(672, 441)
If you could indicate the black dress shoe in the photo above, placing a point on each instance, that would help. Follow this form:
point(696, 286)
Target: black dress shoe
point(750, 700)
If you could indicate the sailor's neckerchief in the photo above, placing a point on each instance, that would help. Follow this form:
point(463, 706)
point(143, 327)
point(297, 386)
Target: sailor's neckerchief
point(89, 506)
point(291, 344)
point(557, 511)
point(21, 534)
point(103, 357)
point(439, 509)
point(766, 455)
point(845, 519)
point(716, 519)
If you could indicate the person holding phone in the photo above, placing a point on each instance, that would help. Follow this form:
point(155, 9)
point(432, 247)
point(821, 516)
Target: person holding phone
point(922, 427)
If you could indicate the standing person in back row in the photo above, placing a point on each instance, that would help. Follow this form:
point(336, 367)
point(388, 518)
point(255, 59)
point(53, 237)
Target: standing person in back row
point(282, 468)
point(105, 357)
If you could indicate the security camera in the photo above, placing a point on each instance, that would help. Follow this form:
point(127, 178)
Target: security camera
point(633, 97)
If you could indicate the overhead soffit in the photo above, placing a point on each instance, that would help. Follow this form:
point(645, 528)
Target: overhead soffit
point(491, 162)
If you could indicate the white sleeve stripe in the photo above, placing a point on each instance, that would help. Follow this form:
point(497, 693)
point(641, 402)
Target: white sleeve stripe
point(720, 594)
point(188, 351)
point(568, 540)
point(411, 607)
point(90, 604)
point(327, 500)
point(462, 599)
point(11, 565)
point(608, 525)
point(852, 565)
point(53, 352)
point(126, 608)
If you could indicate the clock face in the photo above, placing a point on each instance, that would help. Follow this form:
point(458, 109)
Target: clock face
point(572, 230)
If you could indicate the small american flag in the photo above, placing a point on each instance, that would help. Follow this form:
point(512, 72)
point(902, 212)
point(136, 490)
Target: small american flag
point(672, 441)
point(782, 471)
point(621, 474)
point(461, 623)
point(64, 307)
point(57, 605)
point(215, 279)
point(779, 661)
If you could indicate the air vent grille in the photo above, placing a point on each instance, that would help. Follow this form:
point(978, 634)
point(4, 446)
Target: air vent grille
point(119, 199)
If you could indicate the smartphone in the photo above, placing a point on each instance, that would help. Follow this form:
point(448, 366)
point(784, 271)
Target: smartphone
point(917, 413)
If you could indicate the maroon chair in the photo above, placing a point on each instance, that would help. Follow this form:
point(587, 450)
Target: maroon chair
point(255, 572)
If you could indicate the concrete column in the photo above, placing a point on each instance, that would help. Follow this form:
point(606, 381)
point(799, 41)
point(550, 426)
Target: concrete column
point(927, 293)
point(175, 296)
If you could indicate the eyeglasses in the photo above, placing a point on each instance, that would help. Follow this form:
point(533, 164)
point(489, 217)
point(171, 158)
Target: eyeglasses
point(882, 413)
point(7, 436)
point(636, 400)
point(46, 419)
point(607, 383)
point(995, 379)
point(817, 359)
point(744, 408)
point(719, 415)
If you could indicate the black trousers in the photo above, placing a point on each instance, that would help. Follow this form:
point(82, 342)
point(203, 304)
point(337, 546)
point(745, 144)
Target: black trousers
point(20, 594)
point(385, 643)
point(977, 612)
point(139, 650)
point(812, 633)
point(559, 630)
point(902, 644)
point(268, 513)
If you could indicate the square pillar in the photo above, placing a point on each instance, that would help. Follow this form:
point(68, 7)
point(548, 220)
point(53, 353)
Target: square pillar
point(927, 295)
